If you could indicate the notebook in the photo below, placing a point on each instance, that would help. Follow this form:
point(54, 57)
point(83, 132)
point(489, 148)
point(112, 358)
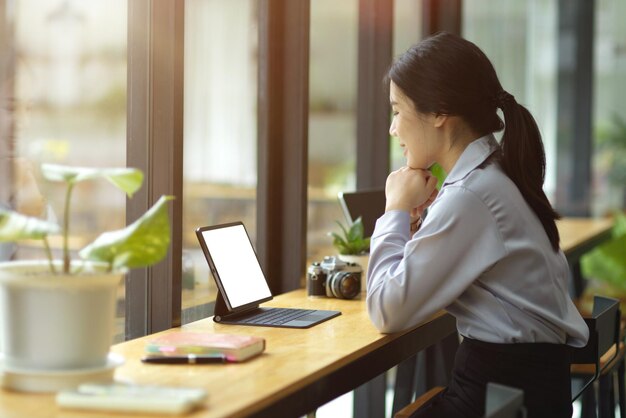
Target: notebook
point(185, 343)
point(368, 204)
point(241, 284)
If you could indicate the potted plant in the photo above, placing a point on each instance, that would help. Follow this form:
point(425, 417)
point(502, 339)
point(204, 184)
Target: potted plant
point(57, 316)
point(353, 247)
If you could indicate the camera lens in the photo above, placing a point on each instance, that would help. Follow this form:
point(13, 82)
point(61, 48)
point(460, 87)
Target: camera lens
point(345, 285)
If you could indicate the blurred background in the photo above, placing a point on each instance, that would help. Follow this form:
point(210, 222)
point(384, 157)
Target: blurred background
point(64, 100)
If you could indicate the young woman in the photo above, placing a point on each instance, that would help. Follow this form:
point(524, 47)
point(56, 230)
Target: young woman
point(488, 251)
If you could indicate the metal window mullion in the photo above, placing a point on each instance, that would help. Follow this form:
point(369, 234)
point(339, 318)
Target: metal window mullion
point(375, 54)
point(154, 144)
point(283, 141)
point(575, 107)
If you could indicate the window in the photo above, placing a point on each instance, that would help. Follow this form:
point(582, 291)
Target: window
point(64, 102)
point(609, 113)
point(407, 31)
point(520, 39)
point(332, 118)
point(220, 133)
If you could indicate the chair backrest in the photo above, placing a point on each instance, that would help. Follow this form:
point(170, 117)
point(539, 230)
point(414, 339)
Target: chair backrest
point(603, 330)
point(504, 402)
point(608, 327)
point(603, 334)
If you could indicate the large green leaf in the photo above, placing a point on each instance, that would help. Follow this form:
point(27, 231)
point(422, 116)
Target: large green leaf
point(126, 179)
point(140, 244)
point(14, 226)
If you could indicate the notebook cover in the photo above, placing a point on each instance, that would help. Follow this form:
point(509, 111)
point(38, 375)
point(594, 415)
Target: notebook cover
point(234, 347)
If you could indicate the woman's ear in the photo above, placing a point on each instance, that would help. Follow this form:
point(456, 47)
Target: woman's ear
point(440, 120)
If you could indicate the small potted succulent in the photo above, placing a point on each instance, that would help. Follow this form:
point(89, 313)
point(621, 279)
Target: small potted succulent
point(353, 246)
point(57, 316)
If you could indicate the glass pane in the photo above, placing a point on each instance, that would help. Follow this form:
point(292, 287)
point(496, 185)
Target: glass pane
point(332, 118)
point(407, 31)
point(520, 39)
point(609, 117)
point(64, 102)
point(220, 120)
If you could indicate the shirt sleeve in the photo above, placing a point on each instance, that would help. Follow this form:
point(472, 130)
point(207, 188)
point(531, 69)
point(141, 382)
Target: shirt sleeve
point(410, 279)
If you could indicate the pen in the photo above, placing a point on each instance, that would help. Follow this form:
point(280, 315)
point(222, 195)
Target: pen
point(188, 359)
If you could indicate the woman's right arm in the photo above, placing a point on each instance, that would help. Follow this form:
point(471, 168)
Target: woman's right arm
point(411, 279)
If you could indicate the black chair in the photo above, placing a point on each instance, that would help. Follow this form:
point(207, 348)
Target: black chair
point(601, 360)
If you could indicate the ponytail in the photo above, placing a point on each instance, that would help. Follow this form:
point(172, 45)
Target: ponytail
point(524, 161)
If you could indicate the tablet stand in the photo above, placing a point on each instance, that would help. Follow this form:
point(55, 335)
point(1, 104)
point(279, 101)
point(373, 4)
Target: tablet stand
point(220, 309)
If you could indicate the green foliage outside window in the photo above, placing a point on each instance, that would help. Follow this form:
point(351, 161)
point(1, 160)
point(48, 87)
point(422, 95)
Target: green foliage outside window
point(607, 262)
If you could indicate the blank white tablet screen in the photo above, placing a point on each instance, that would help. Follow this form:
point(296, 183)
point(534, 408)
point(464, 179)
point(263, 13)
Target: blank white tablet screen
point(237, 266)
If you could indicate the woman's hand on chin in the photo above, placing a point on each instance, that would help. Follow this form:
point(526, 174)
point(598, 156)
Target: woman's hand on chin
point(407, 189)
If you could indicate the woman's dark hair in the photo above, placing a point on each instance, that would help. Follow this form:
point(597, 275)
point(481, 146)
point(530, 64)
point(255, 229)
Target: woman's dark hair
point(448, 75)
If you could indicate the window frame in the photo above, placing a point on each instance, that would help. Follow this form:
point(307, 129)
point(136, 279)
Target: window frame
point(574, 148)
point(373, 109)
point(155, 145)
point(283, 112)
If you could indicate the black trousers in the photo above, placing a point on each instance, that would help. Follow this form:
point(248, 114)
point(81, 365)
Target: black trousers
point(541, 370)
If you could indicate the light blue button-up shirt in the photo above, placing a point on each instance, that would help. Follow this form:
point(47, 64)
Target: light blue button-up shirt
point(481, 254)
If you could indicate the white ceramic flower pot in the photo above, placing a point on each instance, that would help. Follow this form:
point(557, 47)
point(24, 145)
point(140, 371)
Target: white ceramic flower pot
point(55, 322)
point(363, 261)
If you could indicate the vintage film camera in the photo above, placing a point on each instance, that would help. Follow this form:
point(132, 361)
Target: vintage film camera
point(334, 278)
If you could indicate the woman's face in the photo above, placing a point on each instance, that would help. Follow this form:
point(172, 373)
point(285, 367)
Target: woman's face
point(416, 131)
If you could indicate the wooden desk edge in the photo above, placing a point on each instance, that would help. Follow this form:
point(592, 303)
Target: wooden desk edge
point(380, 356)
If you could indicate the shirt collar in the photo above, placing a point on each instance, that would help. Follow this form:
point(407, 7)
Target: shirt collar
point(473, 156)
